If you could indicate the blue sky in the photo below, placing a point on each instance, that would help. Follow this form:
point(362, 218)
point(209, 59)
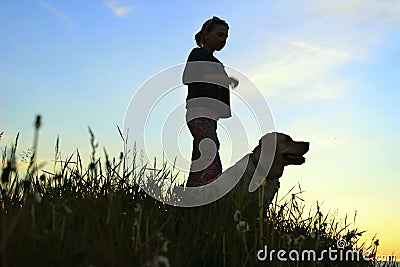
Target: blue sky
point(329, 71)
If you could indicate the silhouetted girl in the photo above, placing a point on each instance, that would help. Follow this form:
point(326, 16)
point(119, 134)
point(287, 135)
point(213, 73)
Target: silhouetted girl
point(208, 100)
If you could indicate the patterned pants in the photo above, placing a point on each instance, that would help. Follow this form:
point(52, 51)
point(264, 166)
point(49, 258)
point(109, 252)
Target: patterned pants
point(206, 163)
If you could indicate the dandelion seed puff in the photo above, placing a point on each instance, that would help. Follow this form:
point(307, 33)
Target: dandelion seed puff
point(67, 209)
point(313, 234)
point(32, 197)
point(164, 247)
point(298, 240)
point(161, 261)
point(137, 208)
point(287, 239)
point(37, 198)
point(242, 227)
point(237, 216)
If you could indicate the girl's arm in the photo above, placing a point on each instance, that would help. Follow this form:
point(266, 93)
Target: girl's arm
point(207, 72)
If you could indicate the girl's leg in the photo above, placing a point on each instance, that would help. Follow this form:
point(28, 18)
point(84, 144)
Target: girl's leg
point(209, 162)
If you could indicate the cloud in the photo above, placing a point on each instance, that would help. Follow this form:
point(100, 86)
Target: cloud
point(118, 9)
point(58, 13)
point(381, 12)
point(302, 70)
point(301, 59)
point(322, 50)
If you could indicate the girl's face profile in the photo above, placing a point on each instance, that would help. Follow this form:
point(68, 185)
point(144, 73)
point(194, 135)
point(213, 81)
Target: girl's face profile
point(216, 39)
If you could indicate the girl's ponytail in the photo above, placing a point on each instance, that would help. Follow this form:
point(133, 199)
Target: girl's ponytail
point(198, 38)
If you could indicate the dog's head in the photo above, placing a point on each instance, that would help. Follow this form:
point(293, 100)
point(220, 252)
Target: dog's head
point(287, 152)
point(267, 162)
point(291, 151)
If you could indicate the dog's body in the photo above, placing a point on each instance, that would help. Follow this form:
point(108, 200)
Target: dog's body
point(287, 152)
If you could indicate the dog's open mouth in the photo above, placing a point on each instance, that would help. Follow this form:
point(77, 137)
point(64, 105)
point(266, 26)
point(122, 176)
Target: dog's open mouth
point(293, 158)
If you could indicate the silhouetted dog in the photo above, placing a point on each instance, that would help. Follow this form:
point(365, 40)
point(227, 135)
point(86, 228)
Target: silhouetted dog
point(287, 152)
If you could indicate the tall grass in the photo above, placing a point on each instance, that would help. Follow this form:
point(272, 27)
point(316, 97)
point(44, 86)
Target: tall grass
point(97, 215)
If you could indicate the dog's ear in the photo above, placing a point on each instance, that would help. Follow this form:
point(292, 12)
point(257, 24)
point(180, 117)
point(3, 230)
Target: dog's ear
point(269, 140)
point(264, 153)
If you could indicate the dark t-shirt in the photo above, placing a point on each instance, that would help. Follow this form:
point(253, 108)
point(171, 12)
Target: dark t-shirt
point(202, 89)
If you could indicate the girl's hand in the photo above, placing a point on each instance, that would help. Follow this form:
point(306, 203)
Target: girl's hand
point(233, 82)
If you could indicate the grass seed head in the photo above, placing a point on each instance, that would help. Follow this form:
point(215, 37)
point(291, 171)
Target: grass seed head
point(38, 121)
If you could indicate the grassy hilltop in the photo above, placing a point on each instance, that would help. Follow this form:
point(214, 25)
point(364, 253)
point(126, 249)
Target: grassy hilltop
point(96, 215)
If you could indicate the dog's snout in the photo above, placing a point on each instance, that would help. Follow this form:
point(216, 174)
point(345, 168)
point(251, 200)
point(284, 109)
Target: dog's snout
point(306, 146)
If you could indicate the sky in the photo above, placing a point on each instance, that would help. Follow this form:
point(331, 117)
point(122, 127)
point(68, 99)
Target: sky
point(328, 70)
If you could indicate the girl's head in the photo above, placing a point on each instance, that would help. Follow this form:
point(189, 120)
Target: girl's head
point(213, 34)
